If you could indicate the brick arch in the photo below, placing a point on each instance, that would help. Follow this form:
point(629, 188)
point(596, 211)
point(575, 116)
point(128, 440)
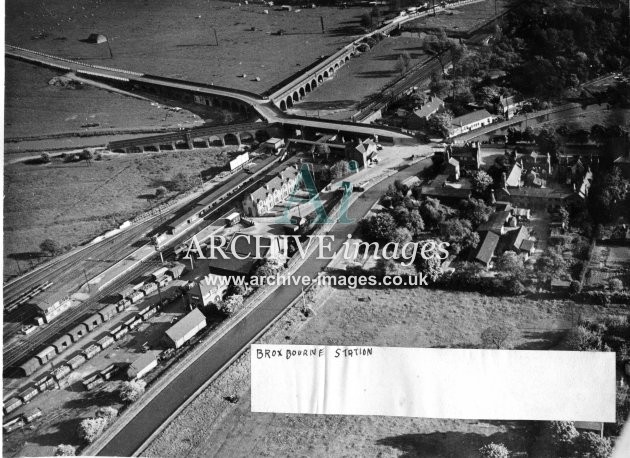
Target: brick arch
point(313, 84)
point(283, 105)
point(296, 96)
point(302, 92)
point(320, 79)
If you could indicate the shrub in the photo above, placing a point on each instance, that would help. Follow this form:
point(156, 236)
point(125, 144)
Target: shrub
point(615, 284)
point(90, 428)
point(45, 158)
point(591, 445)
point(160, 191)
point(131, 391)
point(108, 413)
point(51, 247)
point(66, 450)
point(493, 450)
point(497, 336)
point(560, 435)
point(231, 304)
point(583, 339)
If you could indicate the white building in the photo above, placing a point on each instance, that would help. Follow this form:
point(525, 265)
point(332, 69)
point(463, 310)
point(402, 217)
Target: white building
point(470, 121)
point(262, 200)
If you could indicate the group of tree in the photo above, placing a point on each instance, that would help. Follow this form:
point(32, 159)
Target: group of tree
point(493, 450)
point(403, 63)
point(50, 247)
point(90, 429)
point(231, 304)
point(564, 440)
point(609, 198)
point(183, 182)
point(131, 391)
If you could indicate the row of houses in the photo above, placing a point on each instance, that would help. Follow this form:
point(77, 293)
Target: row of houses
point(275, 191)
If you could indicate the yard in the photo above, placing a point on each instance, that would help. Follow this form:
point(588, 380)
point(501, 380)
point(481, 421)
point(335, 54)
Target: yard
point(74, 202)
point(210, 426)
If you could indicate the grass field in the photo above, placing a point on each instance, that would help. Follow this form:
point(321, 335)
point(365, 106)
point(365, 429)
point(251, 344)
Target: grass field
point(210, 426)
point(72, 203)
point(464, 18)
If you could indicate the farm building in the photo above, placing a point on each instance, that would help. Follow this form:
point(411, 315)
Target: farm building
point(107, 312)
point(78, 332)
point(93, 321)
point(143, 365)
point(62, 343)
point(46, 354)
point(185, 329)
point(487, 248)
point(30, 366)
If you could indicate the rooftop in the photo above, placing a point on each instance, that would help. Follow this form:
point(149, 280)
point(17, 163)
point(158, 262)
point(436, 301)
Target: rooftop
point(144, 360)
point(183, 326)
point(470, 118)
point(433, 105)
point(487, 248)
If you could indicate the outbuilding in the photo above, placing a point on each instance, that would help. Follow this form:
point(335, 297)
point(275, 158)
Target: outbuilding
point(143, 365)
point(185, 329)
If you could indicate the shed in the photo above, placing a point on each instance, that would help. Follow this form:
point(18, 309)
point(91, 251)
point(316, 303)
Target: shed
point(182, 331)
point(143, 365)
point(105, 341)
point(78, 332)
point(76, 361)
point(61, 372)
point(28, 393)
point(108, 312)
point(62, 343)
point(176, 270)
point(91, 351)
point(93, 321)
point(11, 404)
point(46, 354)
point(32, 414)
point(30, 366)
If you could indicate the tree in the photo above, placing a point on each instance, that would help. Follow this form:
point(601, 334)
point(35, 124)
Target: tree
point(160, 191)
point(441, 123)
point(583, 339)
point(432, 212)
point(86, 155)
point(438, 85)
point(90, 428)
point(509, 264)
point(438, 45)
point(459, 233)
point(560, 435)
point(108, 413)
point(591, 445)
point(379, 227)
point(431, 267)
point(183, 182)
point(339, 169)
point(45, 158)
point(497, 336)
point(401, 235)
point(481, 181)
point(50, 247)
point(231, 304)
point(132, 391)
point(66, 450)
point(493, 450)
point(475, 210)
point(403, 63)
point(550, 265)
point(415, 223)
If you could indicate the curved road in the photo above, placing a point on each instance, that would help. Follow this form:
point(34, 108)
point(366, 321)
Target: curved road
point(140, 428)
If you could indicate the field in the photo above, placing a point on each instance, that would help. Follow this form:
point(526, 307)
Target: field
point(359, 78)
point(176, 38)
point(73, 202)
point(210, 426)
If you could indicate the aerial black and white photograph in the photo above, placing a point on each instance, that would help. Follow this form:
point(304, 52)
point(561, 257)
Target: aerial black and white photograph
point(316, 228)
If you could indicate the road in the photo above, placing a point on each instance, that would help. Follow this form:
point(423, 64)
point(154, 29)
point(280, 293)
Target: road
point(133, 435)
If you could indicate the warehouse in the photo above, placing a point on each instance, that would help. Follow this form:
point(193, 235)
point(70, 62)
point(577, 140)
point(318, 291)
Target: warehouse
point(185, 329)
point(143, 365)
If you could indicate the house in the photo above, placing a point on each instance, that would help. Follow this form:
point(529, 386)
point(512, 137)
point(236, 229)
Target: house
point(262, 200)
point(535, 197)
point(208, 290)
point(487, 248)
point(509, 105)
point(452, 169)
point(185, 329)
point(418, 118)
point(496, 223)
point(468, 155)
point(363, 152)
point(470, 121)
point(513, 178)
point(521, 214)
point(512, 240)
point(143, 365)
